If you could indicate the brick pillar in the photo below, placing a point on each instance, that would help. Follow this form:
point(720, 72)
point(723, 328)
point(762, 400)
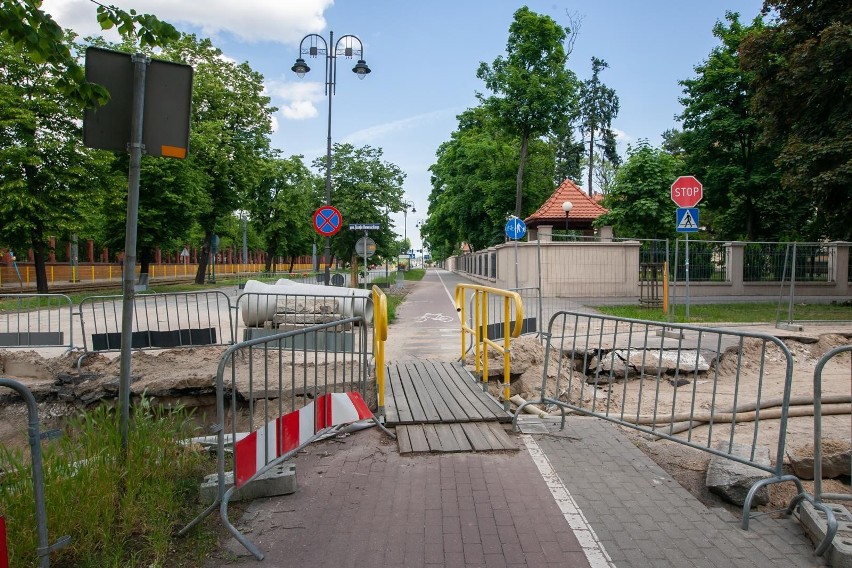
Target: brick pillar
point(90, 250)
point(105, 254)
point(194, 255)
point(51, 257)
point(158, 256)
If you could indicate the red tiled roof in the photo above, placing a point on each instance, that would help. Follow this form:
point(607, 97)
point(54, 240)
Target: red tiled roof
point(585, 209)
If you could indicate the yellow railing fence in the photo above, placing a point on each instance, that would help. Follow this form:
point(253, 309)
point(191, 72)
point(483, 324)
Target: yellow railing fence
point(380, 336)
point(513, 307)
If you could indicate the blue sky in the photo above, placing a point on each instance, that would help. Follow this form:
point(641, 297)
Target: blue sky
point(424, 57)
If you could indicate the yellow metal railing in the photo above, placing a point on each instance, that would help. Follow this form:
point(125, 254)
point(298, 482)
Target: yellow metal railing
point(479, 331)
point(380, 335)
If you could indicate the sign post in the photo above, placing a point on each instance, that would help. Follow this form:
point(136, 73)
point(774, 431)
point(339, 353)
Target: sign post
point(365, 246)
point(515, 230)
point(687, 191)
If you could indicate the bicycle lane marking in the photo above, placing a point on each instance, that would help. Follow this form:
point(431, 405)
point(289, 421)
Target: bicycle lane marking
point(589, 542)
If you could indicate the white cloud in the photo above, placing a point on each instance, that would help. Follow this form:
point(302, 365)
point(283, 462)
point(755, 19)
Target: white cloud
point(264, 20)
point(374, 133)
point(299, 110)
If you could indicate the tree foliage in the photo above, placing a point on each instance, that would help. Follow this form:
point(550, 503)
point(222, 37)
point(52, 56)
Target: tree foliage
point(802, 68)
point(723, 148)
point(472, 180)
point(598, 107)
point(533, 90)
point(48, 180)
point(365, 188)
point(639, 202)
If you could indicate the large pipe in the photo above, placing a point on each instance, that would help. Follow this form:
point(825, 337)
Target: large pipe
point(259, 301)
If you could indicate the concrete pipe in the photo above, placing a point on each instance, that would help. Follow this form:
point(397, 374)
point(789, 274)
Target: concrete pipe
point(259, 301)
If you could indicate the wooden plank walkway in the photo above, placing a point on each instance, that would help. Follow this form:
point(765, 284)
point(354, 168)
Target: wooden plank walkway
point(440, 407)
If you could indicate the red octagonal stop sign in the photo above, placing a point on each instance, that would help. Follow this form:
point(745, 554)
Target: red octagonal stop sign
point(687, 191)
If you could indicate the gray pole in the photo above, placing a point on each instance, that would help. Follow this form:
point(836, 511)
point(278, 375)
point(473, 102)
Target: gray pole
point(686, 274)
point(330, 64)
point(792, 287)
point(245, 245)
point(366, 269)
point(140, 66)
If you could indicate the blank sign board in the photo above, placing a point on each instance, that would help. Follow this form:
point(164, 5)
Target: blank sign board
point(168, 101)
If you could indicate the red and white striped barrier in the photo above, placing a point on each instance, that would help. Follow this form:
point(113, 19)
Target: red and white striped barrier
point(294, 429)
point(4, 550)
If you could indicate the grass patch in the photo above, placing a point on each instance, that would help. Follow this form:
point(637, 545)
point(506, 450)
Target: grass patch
point(734, 312)
point(415, 274)
point(393, 302)
point(117, 514)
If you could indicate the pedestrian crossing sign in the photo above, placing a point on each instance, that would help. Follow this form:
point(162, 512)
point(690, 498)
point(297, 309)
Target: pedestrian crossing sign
point(687, 220)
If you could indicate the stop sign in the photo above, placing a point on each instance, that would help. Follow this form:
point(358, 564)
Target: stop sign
point(687, 191)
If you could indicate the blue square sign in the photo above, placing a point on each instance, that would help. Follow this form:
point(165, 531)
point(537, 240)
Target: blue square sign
point(687, 220)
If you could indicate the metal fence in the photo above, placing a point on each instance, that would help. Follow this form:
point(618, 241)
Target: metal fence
point(264, 385)
point(36, 320)
point(160, 321)
point(708, 261)
point(703, 387)
point(35, 436)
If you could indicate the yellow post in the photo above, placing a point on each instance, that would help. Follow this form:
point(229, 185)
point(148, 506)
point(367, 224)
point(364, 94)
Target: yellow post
point(28, 275)
point(666, 287)
point(483, 338)
point(110, 272)
point(506, 354)
point(93, 273)
point(51, 274)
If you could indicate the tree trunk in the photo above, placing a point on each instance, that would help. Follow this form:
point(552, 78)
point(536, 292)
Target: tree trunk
point(204, 257)
point(267, 267)
point(144, 260)
point(292, 262)
point(589, 189)
point(519, 194)
point(40, 269)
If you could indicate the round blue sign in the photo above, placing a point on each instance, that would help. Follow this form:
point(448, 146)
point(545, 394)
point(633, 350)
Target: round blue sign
point(515, 228)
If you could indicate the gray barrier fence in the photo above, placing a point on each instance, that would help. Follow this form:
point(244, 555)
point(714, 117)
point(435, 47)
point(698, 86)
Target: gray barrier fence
point(35, 437)
point(160, 321)
point(36, 320)
point(266, 380)
point(818, 498)
point(706, 388)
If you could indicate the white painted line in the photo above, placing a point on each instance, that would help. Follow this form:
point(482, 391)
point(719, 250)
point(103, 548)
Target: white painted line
point(592, 547)
point(450, 296)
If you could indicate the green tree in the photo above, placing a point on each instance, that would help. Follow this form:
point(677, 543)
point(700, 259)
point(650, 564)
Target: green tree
point(364, 188)
point(802, 68)
point(568, 152)
point(598, 107)
point(47, 178)
point(229, 132)
point(280, 208)
point(721, 142)
point(533, 90)
point(639, 202)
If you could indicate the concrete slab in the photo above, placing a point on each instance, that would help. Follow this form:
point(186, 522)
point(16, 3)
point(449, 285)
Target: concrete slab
point(839, 553)
point(280, 480)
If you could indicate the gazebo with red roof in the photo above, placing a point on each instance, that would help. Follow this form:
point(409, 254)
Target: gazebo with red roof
point(584, 210)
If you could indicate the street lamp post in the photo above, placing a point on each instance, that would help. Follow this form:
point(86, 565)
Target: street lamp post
point(317, 45)
point(567, 206)
point(405, 206)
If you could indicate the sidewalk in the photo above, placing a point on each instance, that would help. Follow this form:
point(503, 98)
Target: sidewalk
point(585, 496)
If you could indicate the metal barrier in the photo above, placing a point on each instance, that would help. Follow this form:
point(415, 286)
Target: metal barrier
point(482, 339)
point(35, 436)
point(380, 336)
point(36, 320)
point(269, 377)
point(818, 497)
point(653, 377)
point(160, 321)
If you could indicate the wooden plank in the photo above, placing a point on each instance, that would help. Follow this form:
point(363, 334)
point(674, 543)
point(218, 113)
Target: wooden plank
point(470, 411)
point(509, 442)
point(495, 407)
point(424, 394)
point(453, 409)
point(418, 415)
point(495, 435)
point(403, 439)
point(474, 435)
point(437, 395)
point(391, 412)
point(447, 438)
point(418, 438)
point(461, 438)
point(404, 415)
point(432, 438)
point(472, 393)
